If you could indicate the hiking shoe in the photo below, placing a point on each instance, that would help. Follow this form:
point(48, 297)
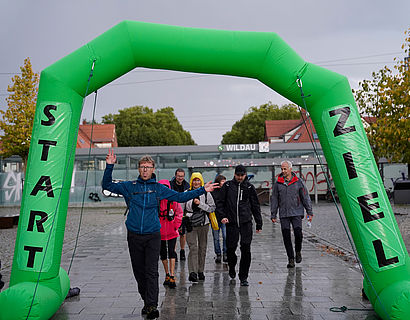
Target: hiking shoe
point(225, 258)
point(167, 278)
point(201, 276)
point(244, 283)
point(218, 258)
point(291, 263)
point(298, 257)
point(144, 310)
point(193, 277)
point(232, 274)
point(182, 255)
point(152, 312)
point(172, 283)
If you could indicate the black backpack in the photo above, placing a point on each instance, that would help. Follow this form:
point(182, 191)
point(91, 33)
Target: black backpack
point(169, 212)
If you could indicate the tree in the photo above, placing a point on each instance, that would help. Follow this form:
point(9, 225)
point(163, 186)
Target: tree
point(141, 126)
point(17, 121)
point(251, 128)
point(386, 98)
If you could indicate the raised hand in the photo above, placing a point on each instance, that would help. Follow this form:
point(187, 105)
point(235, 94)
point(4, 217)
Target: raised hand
point(111, 158)
point(209, 186)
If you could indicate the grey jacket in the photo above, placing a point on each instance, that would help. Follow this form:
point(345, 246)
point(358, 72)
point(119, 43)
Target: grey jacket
point(291, 198)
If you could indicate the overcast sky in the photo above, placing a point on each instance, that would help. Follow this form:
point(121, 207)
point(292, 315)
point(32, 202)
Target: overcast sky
point(353, 38)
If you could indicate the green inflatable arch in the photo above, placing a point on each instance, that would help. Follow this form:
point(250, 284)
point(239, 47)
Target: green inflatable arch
point(38, 285)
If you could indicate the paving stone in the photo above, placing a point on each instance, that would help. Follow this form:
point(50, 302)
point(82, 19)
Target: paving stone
point(102, 270)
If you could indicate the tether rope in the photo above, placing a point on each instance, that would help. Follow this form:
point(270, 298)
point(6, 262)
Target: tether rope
point(59, 197)
point(85, 185)
point(363, 271)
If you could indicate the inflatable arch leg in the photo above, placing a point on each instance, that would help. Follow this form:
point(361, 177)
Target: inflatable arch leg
point(263, 56)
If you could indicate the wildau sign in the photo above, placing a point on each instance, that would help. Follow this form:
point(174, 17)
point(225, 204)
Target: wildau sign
point(238, 147)
point(261, 147)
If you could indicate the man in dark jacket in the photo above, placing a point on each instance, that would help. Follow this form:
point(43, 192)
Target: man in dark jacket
point(143, 226)
point(178, 183)
point(236, 205)
point(291, 197)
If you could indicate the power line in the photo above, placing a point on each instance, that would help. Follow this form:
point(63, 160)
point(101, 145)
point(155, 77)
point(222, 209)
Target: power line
point(157, 80)
point(355, 64)
point(361, 57)
point(9, 73)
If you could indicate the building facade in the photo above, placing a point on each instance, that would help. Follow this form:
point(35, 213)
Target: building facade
point(262, 161)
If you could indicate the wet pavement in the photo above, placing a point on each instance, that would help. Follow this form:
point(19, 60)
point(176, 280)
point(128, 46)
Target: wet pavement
point(102, 270)
point(324, 280)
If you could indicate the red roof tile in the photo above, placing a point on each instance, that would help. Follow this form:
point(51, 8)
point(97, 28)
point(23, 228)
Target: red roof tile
point(277, 128)
point(101, 133)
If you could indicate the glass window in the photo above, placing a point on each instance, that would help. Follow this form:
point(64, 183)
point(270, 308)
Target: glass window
point(172, 161)
point(393, 172)
point(237, 155)
point(209, 174)
point(205, 156)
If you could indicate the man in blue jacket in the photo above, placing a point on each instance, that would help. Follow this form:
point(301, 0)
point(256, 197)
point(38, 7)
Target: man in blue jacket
point(291, 197)
point(143, 226)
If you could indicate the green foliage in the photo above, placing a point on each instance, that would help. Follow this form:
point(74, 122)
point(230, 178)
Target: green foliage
point(251, 128)
point(141, 126)
point(386, 97)
point(17, 121)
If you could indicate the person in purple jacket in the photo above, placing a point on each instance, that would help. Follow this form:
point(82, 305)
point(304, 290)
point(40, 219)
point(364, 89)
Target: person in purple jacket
point(142, 197)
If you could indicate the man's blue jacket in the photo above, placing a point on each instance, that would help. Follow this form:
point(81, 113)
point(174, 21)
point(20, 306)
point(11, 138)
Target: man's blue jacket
point(142, 198)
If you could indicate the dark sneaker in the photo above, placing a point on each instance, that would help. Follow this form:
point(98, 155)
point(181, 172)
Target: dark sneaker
point(201, 276)
point(172, 283)
point(291, 263)
point(193, 277)
point(225, 258)
point(218, 258)
point(144, 310)
point(298, 257)
point(166, 282)
point(152, 312)
point(244, 283)
point(232, 274)
point(182, 255)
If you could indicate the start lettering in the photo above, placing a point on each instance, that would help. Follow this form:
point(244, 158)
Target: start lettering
point(39, 223)
point(49, 115)
point(47, 187)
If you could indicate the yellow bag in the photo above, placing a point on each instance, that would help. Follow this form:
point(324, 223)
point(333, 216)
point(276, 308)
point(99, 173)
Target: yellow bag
point(214, 222)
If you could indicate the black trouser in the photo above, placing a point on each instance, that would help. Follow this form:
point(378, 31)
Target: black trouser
point(232, 238)
point(168, 249)
point(296, 223)
point(144, 252)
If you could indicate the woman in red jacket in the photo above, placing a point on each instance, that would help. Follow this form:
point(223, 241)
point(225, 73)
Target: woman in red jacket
point(170, 216)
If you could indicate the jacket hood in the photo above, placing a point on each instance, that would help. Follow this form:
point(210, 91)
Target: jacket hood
point(194, 176)
point(281, 179)
point(165, 183)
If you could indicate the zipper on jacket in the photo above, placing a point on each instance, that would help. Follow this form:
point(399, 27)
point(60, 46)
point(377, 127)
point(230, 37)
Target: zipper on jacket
point(143, 208)
point(237, 202)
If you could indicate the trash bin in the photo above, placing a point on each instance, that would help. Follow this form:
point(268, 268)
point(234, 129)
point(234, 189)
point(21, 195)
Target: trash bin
point(401, 192)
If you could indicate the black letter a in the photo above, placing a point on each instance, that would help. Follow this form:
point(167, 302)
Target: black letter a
point(39, 186)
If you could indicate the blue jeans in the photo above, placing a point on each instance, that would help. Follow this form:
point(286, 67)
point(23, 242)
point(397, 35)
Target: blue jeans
point(215, 233)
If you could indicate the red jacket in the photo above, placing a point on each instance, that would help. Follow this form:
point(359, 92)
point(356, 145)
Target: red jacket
point(169, 229)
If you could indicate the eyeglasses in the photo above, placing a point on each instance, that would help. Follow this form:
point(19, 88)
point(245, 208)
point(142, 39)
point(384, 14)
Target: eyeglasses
point(146, 168)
